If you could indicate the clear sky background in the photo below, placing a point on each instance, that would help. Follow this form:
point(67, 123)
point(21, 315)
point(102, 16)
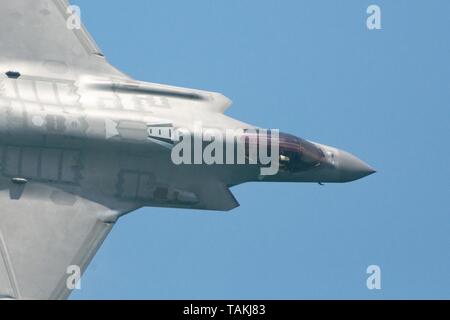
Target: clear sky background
point(313, 69)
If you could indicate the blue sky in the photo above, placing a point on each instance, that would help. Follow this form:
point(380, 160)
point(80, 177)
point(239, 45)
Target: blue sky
point(313, 69)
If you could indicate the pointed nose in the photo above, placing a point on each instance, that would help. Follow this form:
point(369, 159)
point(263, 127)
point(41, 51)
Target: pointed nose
point(351, 168)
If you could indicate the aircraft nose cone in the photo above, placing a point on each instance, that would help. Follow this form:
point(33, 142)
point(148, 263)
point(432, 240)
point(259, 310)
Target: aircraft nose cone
point(351, 168)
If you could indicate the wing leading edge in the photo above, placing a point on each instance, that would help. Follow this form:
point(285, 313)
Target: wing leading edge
point(43, 234)
point(36, 32)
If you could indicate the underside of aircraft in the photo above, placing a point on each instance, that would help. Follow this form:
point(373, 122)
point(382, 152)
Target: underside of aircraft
point(82, 144)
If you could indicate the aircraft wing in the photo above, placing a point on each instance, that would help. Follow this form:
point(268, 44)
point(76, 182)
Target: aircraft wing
point(43, 234)
point(44, 33)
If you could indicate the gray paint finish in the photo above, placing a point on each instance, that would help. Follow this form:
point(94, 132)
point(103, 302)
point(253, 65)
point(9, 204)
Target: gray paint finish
point(76, 153)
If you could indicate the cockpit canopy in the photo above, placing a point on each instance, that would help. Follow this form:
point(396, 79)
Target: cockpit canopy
point(295, 154)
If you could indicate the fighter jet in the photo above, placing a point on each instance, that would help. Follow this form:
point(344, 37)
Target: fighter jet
point(82, 144)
